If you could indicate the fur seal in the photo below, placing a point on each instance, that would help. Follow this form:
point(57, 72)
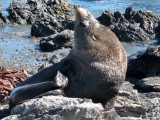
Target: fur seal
point(95, 67)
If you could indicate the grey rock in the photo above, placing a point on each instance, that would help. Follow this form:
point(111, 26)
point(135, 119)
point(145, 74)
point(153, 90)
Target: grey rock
point(130, 108)
point(129, 32)
point(57, 41)
point(50, 26)
point(58, 17)
point(131, 118)
point(57, 108)
point(152, 108)
point(3, 19)
point(147, 20)
point(50, 58)
point(68, 24)
point(21, 12)
point(150, 95)
point(132, 104)
point(132, 25)
point(27, 11)
point(107, 18)
point(60, 9)
point(128, 92)
point(149, 84)
point(127, 104)
point(59, 54)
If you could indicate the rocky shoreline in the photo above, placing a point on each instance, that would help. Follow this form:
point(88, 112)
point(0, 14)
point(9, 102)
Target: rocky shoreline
point(53, 22)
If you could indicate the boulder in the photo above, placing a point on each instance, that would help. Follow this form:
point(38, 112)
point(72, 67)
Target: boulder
point(45, 26)
point(132, 25)
point(57, 108)
point(127, 104)
point(145, 64)
point(153, 108)
point(135, 105)
point(130, 32)
point(57, 18)
point(57, 41)
point(28, 11)
point(50, 58)
point(149, 84)
point(25, 11)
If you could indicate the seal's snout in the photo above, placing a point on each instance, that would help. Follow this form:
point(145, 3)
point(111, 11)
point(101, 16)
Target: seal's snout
point(80, 12)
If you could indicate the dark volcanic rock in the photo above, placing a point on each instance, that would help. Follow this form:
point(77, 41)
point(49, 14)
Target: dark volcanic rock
point(57, 41)
point(45, 26)
point(3, 19)
point(28, 11)
point(132, 25)
point(129, 32)
point(57, 18)
point(60, 9)
point(146, 64)
point(25, 12)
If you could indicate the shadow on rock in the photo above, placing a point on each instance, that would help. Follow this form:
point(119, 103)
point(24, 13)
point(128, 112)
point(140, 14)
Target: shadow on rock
point(145, 64)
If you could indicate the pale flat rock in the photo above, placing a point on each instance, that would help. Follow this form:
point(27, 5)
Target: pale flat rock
point(150, 84)
point(57, 108)
point(130, 105)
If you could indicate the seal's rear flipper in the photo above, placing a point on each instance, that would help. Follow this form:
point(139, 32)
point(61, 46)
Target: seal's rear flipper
point(32, 89)
point(24, 93)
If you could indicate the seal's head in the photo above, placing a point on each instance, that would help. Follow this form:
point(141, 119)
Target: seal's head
point(85, 26)
point(90, 35)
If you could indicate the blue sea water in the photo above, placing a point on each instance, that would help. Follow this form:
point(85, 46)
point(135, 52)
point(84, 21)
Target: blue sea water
point(97, 7)
point(4, 4)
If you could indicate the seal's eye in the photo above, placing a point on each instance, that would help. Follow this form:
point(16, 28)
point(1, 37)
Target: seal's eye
point(82, 24)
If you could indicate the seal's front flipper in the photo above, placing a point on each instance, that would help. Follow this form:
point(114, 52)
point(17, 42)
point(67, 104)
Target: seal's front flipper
point(47, 74)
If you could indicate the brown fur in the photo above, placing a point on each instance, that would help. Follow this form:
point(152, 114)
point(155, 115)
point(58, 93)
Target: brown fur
point(95, 67)
point(99, 60)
